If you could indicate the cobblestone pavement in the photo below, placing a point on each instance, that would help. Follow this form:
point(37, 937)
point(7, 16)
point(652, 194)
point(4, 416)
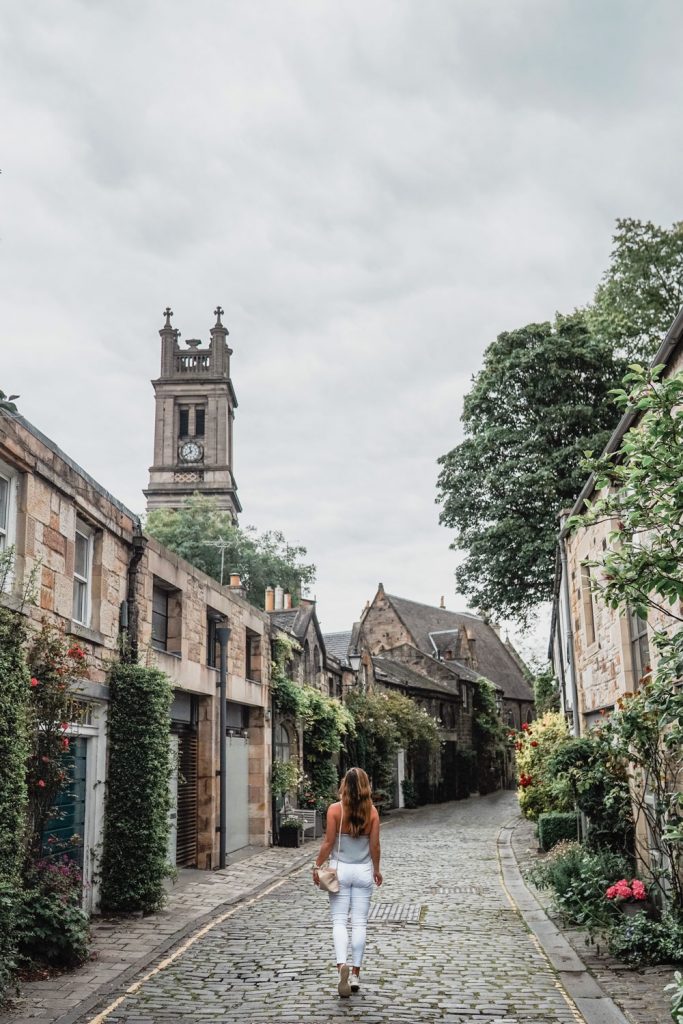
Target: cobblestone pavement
point(466, 957)
point(640, 994)
point(121, 946)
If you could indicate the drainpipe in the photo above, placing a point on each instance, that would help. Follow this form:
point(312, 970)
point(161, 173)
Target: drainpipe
point(129, 620)
point(223, 635)
point(571, 665)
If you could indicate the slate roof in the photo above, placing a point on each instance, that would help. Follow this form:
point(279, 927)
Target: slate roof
point(404, 676)
point(338, 645)
point(293, 620)
point(494, 660)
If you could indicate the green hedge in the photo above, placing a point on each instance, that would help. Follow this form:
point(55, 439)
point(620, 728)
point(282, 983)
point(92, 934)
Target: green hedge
point(14, 689)
point(555, 826)
point(134, 857)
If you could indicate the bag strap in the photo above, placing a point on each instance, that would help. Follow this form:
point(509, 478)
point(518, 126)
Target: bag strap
point(341, 818)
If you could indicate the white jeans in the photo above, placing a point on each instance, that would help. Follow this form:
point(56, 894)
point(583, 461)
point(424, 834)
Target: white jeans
point(355, 889)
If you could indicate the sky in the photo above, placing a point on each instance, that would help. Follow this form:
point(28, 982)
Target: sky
point(372, 191)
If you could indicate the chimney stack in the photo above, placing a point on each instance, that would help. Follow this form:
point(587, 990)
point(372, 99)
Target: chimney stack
point(236, 585)
point(270, 599)
point(279, 599)
point(288, 601)
point(442, 603)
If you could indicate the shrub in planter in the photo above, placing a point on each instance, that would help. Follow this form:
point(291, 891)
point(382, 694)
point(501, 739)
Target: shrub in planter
point(290, 831)
point(554, 826)
point(51, 926)
point(579, 879)
point(641, 942)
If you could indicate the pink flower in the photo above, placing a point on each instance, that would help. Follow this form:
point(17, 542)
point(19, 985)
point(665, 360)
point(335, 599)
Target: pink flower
point(41, 783)
point(34, 681)
point(638, 889)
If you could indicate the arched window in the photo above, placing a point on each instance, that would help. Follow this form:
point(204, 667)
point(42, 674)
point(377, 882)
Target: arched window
point(282, 748)
point(529, 716)
point(307, 661)
point(316, 660)
point(510, 718)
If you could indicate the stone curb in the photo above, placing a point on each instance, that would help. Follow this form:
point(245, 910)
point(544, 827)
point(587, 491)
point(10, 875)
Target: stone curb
point(115, 985)
point(593, 1003)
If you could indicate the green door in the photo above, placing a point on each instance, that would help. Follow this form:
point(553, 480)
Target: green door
point(64, 833)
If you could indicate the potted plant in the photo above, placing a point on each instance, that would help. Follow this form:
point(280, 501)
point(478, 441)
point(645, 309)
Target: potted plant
point(631, 897)
point(291, 830)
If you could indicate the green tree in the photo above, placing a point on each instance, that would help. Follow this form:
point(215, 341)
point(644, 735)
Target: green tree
point(642, 289)
point(261, 559)
point(539, 401)
point(546, 691)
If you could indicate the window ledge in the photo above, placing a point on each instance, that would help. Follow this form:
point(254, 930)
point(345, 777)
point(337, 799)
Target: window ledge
point(85, 633)
point(9, 599)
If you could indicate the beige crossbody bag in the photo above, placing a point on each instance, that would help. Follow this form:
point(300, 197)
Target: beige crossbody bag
point(327, 876)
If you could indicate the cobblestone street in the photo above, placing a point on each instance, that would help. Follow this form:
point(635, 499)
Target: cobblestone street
point(463, 954)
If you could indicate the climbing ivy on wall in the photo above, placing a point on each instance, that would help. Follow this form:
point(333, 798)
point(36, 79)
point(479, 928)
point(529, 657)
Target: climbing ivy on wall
point(14, 692)
point(134, 857)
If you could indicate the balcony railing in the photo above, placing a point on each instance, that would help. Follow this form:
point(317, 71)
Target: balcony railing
point(193, 362)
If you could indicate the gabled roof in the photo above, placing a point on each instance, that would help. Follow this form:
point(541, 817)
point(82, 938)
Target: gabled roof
point(493, 659)
point(399, 674)
point(296, 622)
point(338, 645)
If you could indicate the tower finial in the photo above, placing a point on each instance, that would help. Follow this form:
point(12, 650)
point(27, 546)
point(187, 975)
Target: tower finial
point(168, 313)
point(218, 313)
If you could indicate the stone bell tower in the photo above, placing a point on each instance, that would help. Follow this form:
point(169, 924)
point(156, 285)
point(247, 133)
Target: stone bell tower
point(193, 425)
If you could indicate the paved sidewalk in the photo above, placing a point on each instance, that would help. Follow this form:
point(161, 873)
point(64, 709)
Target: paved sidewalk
point(639, 994)
point(122, 947)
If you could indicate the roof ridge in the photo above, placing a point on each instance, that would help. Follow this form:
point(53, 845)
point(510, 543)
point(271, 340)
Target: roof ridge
point(435, 607)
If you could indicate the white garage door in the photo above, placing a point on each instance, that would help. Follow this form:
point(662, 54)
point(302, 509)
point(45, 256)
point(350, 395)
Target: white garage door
point(237, 793)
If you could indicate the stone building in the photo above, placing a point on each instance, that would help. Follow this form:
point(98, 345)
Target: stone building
point(99, 579)
point(193, 424)
point(436, 656)
point(600, 653)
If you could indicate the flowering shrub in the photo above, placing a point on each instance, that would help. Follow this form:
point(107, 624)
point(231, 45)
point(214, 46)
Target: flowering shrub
point(55, 664)
point(539, 788)
point(625, 892)
point(639, 941)
point(52, 928)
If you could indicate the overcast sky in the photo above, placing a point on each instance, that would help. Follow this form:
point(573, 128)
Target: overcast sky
point(372, 190)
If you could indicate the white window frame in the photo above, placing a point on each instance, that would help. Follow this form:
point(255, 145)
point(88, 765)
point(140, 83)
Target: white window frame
point(88, 533)
point(8, 535)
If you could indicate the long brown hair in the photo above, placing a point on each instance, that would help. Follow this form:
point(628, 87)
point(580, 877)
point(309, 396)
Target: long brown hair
point(355, 795)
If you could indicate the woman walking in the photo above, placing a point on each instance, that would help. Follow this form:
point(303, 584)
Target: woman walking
point(353, 832)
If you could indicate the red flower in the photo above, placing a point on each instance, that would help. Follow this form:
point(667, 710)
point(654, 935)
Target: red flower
point(534, 743)
point(63, 725)
point(76, 652)
point(35, 682)
point(41, 783)
point(525, 726)
point(65, 743)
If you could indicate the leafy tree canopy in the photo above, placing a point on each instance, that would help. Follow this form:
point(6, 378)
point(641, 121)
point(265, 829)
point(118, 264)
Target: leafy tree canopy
point(641, 291)
point(539, 401)
point(262, 560)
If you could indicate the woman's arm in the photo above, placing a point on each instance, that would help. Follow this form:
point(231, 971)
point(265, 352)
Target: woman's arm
point(331, 829)
point(375, 850)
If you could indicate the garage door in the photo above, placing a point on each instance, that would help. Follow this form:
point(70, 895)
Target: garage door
point(237, 793)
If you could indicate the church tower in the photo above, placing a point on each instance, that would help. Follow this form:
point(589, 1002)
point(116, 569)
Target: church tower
point(195, 409)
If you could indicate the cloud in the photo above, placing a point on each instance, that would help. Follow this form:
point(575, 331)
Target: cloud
point(372, 191)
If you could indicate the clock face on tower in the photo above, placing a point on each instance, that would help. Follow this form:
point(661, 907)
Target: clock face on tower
point(191, 451)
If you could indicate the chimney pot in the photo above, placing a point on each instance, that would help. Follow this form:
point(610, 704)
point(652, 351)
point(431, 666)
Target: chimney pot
point(442, 603)
point(235, 579)
point(288, 600)
point(270, 599)
point(279, 599)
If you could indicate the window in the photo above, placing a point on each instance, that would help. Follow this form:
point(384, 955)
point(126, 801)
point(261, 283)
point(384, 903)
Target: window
point(82, 573)
point(199, 421)
point(316, 660)
point(529, 716)
point(282, 747)
point(184, 423)
point(587, 601)
point(253, 656)
point(7, 507)
point(463, 695)
point(307, 662)
point(160, 619)
point(640, 647)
